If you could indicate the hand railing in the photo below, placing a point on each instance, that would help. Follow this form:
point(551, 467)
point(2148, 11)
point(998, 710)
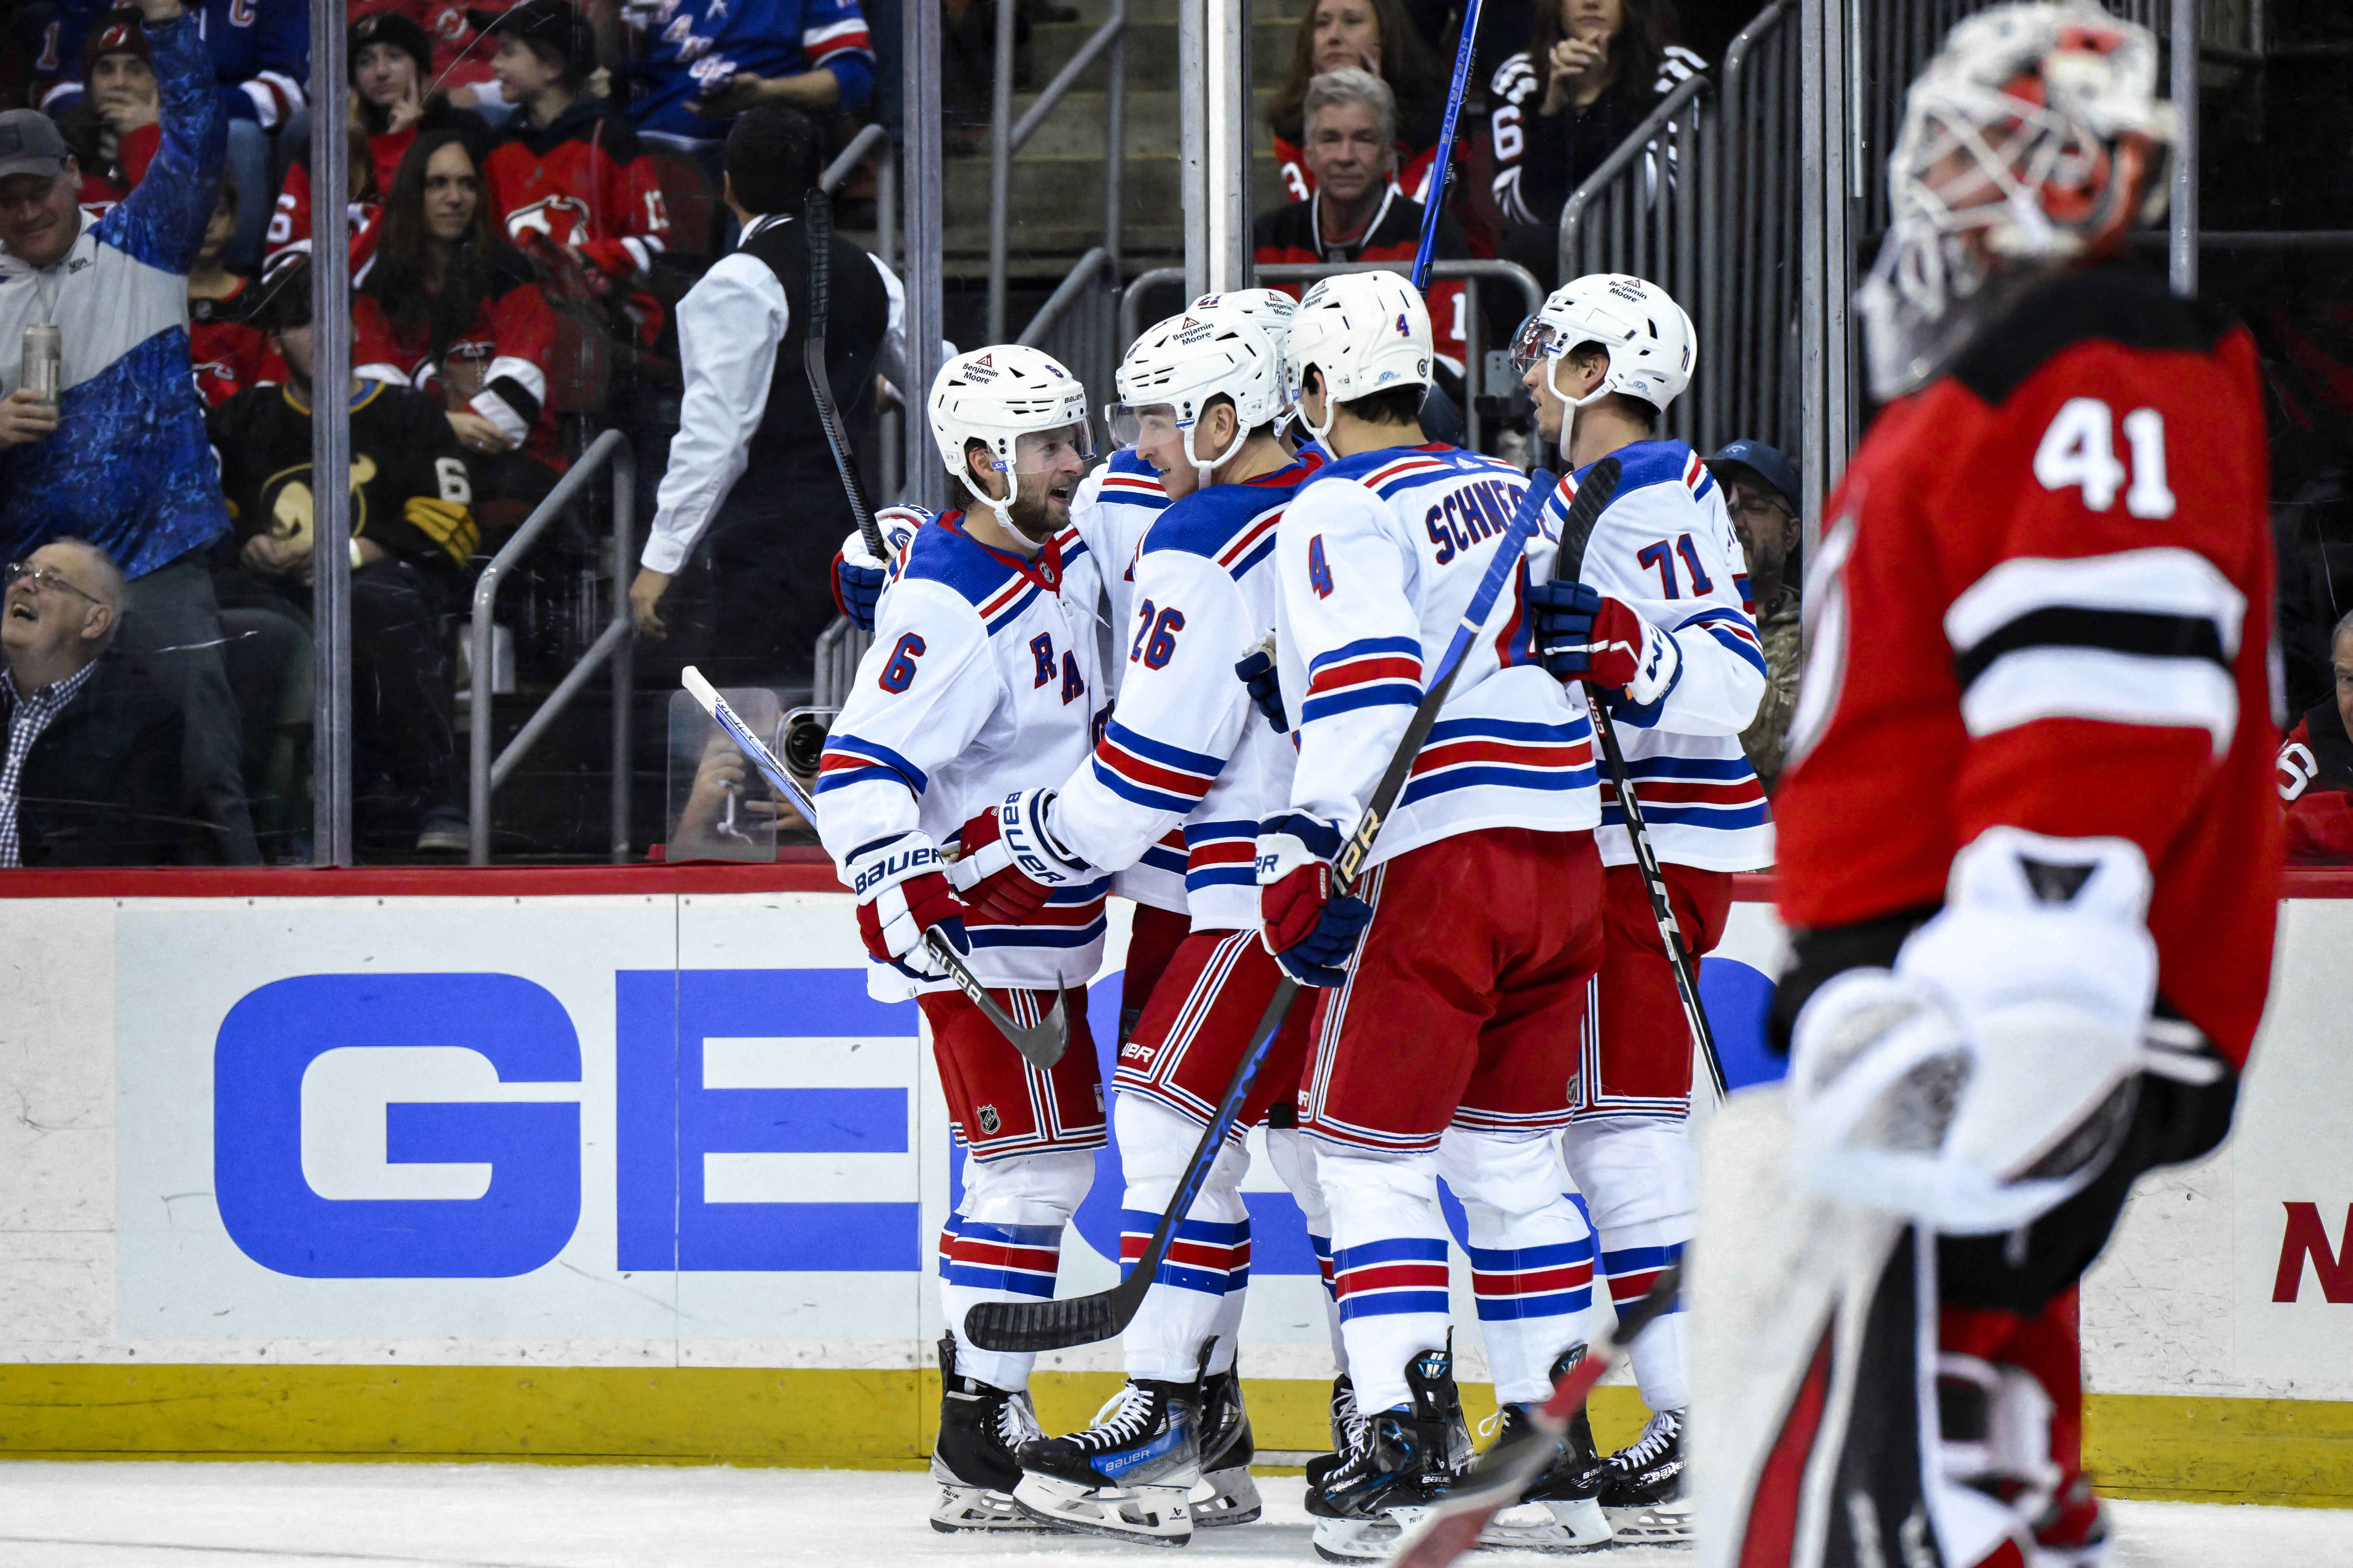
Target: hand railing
point(1007, 137)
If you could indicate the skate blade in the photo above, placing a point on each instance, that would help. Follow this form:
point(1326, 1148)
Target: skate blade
point(1548, 1526)
point(1146, 1516)
point(1363, 1539)
point(978, 1509)
point(1225, 1496)
point(1652, 1525)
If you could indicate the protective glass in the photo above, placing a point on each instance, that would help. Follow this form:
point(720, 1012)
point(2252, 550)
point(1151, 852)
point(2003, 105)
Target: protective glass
point(1044, 451)
point(1141, 424)
point(1533, 342)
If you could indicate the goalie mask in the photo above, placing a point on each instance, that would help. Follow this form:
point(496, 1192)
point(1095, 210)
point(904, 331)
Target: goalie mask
point(1020, 404)
point(2033, 139)
point(1174, 369)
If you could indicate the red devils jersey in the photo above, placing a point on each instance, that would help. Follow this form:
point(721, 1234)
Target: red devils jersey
point(497, 367)
point(2043, 598)
point(1295, 233)
point(579, 182)
point(226, 352)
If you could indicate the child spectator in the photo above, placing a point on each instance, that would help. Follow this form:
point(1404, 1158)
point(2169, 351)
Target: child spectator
point(2316, 764)
point(566, 181)
point(226, 350)
point(1376, 37)
point(461, 57)
point(706, 61)
point(1590, 75)
point(413, 541)
point(114, 127)
point(448, 307)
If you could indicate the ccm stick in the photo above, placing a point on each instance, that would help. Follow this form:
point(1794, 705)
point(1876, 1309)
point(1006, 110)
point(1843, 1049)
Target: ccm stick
point(1033, 1326)
point(817, 217)
point(1042, 1044)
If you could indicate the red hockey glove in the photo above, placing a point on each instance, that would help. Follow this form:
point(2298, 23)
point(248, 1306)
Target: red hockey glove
point(1311, 933)
point(1011, 862)
point(903, 892)
point(1585, 635)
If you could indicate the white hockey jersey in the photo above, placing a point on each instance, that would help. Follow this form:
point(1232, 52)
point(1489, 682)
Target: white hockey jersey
point(1114, 508)
point(1665, 547)
point(982, 680)
point(1378, 557)
point(1185, 745)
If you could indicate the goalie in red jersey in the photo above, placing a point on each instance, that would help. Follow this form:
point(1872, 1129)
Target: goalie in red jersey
point(2029, 853)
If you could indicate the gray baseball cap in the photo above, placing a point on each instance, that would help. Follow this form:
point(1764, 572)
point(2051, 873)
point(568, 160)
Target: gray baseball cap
point(29, 144)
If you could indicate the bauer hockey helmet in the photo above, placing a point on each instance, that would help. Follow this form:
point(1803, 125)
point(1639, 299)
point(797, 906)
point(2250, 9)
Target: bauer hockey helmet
point(1272, 309)
point(1651, 347)
point(1172, 370)
point(1364, 331)
point(2035, 136)
point(997, 395)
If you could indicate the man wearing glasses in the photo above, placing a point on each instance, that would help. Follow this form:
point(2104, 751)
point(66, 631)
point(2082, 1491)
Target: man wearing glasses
point(91, 773)
point(1761, 490)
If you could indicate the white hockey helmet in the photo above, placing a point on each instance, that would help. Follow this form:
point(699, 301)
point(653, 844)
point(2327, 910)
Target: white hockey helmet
point(1176, 366)
point(1365, 333)
point(1272, 309)
point(1651, 347)
point(2036, 135)
point(996, 395)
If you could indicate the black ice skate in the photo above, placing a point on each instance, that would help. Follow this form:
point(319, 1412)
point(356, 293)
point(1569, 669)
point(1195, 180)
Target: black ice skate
point(1560, 1510)
point(1397, 1463)
point(1127, 1476)
point(1226, 1494)
point(1347, 1427)
point(980, 1426)
point(1641, 1485)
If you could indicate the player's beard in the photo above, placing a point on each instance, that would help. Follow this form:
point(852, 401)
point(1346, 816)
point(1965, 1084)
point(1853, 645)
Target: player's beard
point(1037, 516)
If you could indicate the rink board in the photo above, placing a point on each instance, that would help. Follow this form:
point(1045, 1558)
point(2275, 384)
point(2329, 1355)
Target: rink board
point(592, 1166)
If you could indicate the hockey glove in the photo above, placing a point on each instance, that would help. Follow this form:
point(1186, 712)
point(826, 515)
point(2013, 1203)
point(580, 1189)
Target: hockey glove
point(1585, 635)
point(1311, 933)
point(1257, 672)
point(1011, 862)
point(903, 892)
point(859, 579)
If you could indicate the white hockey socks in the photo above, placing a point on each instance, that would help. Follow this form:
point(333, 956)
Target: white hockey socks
point(1531, 1254)
point(1292, 1155)
point(1639, 1180)
point(1005, 1243)
point(1209, 1256)
point(1389, 1264)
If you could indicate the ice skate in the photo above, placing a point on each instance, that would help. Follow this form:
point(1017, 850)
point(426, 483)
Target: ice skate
point(1126, 1476)
point(1225, 1494)
point(980, 1426)
point(1397, 1462)
point(1560, 1510)
point(1347, 1424)
point(1641, 1485)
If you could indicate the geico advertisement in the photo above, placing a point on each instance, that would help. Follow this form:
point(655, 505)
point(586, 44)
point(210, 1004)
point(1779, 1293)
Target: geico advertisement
point(555, 1120)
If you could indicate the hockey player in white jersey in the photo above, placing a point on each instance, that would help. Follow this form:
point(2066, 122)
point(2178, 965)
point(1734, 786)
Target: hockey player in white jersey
point(1185, 752)
point(1456, 975)
point(983, 680)
point(1662, 583)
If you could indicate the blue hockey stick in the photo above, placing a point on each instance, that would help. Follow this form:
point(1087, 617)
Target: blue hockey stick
point(1438, 171)
point(1032, 1326)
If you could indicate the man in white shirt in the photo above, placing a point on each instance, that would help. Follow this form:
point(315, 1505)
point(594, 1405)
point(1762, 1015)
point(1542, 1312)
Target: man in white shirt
point(751, 507)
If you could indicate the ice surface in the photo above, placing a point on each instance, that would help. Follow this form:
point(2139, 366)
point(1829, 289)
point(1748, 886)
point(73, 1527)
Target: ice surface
point(138, 1515)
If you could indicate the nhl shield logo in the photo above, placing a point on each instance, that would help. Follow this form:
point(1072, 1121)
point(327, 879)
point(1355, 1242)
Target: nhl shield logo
point(989, 1121)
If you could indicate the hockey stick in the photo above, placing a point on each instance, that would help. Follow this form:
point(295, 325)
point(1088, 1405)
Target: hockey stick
point(817, 216)
point(1439, 170)
point(1496, 1480)
point(1041, 1046)
point(1032, 1326)
point(1571, 563)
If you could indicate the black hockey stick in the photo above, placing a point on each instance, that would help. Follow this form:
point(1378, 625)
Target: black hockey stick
point(817, 218)
point(1032, 1326)
point(1041, 1045)
point(1570, 563)
point(1495, 1481)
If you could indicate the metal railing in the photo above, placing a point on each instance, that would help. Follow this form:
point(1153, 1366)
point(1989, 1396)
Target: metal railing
point(613, 643)
point(875, 142)
point(1007, 137)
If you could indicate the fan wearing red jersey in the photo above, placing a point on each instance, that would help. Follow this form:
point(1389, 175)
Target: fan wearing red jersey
point(2316, 765)
point(2027, 850)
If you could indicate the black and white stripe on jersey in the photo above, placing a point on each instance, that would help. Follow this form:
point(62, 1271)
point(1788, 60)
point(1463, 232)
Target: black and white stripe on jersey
point(2142, 637)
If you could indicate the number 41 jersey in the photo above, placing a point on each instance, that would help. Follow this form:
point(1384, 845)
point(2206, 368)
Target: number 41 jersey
point(2044, 598)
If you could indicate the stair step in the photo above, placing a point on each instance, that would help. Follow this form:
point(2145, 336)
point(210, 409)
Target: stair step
point(1075, 129)
point(1152, 49)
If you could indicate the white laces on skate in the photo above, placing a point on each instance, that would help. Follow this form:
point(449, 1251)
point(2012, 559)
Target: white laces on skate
point(1658, 1435)
point(1124, 1417)
point(1015, 1422)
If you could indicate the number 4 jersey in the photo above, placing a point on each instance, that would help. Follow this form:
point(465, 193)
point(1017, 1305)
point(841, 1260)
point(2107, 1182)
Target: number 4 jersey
point(2044, 598)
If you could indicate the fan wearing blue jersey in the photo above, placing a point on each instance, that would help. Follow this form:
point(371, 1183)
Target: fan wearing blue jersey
point(705, 61)
point(1660, 599)
point(982, 681)
point(1454, 977)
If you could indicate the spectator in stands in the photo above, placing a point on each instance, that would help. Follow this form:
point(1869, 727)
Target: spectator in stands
point(92, 769)
point(450, 307)
point(566, 181)
point(227, 350)
point(751, 507)
point(114, 130)
point(460, 64)
point(121, 458)
point(1590, 75)
point(1355, 212)
point(413, 541)
point(389, 61)
point(2316, 764)
point(704, 62)
point(1761, 492)
point(1374, 37)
